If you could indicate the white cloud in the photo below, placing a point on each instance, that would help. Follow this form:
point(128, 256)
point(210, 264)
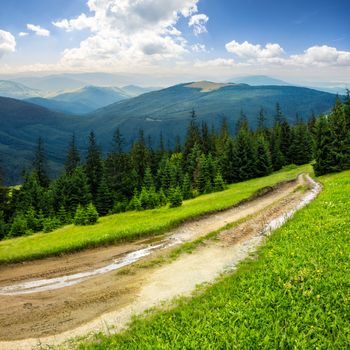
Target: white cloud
point(217, 62)
point(7, 42)
point(22, 34)
point(128, 32)
point(273, 54)
point(198, 23)
point(251, 53)
point(38, 30)
point(321, 56)
point(199, 48)
point(79, 23)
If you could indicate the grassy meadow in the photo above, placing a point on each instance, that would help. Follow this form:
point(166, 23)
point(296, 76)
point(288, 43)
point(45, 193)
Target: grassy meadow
point(295, 295)
point(131, 225)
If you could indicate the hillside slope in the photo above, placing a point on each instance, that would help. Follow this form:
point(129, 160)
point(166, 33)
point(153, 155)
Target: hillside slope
point(17, 90)
point(92, 97)
point(168, 110)
point(22, 123)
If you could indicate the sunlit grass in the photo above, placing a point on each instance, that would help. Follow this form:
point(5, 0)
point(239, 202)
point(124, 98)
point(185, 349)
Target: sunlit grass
point(295, 295)
point(131, 225)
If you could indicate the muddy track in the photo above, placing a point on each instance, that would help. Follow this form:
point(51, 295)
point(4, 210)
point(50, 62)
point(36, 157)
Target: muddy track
point(111, 298)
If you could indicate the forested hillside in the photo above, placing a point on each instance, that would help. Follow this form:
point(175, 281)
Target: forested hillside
point(149, 177)
point(163, 112)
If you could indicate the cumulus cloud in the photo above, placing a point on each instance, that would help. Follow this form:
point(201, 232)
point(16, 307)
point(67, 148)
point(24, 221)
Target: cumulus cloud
point(22, 34)
point(217, 62)
point(199, 48)
point(321, 56)
point(273, 54)
point(125, 32)
point(7, 42)
point(79, 23)
point(198, 23)
point(38, 30)
point(250, 52)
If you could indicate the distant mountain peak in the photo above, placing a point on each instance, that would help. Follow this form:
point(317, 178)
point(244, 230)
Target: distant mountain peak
point(207, 86)
point(259, 80)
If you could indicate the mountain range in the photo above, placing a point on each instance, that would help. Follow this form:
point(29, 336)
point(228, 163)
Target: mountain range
point(165, 111)
point(80, 100)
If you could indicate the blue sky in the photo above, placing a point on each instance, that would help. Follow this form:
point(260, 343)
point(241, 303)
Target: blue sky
point(305, 40)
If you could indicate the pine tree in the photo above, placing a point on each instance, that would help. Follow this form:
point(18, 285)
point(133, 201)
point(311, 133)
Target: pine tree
point(118, 142)
point(301, 146)
point(193, 135)
point(245, 156)
point(31, 195)
point(175, 197)
point(324, 153)
point(93, 166)
point(229, 163)
point(340, 130)
point(104, 199)
point(80, 217)
point(140, 158)
point(203, 183)
point(242, 123)
point(91, 214)
point(39, 164)
point(275, 148)
point(219, 184)
point(186, 187)
point(286, 141)
point(279, 117)
point(263, 160)
point(148, 179)
point(75, 191)
point(261, 122)
point(73, 157)
point(62, 216)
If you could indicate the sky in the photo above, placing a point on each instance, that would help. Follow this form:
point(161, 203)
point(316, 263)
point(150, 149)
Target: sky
point(299, 41)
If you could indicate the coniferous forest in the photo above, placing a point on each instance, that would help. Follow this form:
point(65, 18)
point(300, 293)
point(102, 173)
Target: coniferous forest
point(146, 177)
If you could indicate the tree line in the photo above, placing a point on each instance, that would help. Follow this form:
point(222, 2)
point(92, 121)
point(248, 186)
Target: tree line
point(146, 178)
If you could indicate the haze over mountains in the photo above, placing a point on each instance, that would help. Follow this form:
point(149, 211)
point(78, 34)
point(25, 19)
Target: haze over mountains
point(165, 111)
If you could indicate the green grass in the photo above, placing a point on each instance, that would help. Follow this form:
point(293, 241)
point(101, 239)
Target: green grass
point(131, 225)
point(295, 295)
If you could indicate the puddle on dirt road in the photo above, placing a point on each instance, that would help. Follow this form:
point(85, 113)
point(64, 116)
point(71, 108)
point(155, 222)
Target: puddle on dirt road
point(70, 280)
point(177, 238)
point(280, 220)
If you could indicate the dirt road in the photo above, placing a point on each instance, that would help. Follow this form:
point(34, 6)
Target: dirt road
point(29, 316)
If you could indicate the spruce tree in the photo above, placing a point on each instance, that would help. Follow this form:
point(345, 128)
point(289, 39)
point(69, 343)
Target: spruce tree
point(104, 199)
point(301, 146)
point(148, 179)
point(275, 148)
point(186, 187)
point(219, 184)
point(229, 162)
point(203, 183)
point(140, 157)
point(77, 191)
point(193, 136)
point(73, 157)
point(175, 197)
point(324, 152)
point(246, 156)
point(263, 160)
point(93, 166)
point(39, 164)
